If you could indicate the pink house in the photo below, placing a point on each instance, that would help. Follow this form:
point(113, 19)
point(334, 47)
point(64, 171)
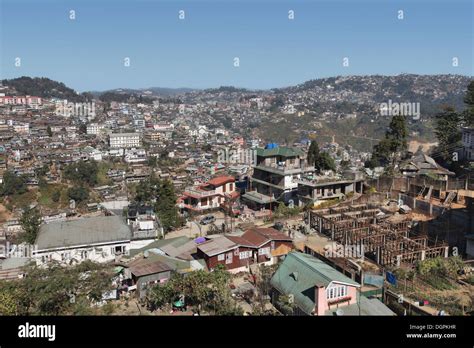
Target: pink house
point(313, 287)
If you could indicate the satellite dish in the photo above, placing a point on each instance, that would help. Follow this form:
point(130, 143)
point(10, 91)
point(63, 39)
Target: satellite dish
point(339, 312)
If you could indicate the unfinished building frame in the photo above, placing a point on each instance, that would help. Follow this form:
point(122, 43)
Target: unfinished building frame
point(363, 226)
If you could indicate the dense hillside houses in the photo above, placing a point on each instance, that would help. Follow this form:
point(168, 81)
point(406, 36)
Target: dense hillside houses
point(169, 192)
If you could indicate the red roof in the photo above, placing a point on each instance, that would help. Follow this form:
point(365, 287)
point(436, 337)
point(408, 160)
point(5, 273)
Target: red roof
point(270, 233)
point(221, 180)
point(257, 237)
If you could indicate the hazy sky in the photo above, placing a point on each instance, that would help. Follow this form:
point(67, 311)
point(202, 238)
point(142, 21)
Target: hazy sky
point(88, 53)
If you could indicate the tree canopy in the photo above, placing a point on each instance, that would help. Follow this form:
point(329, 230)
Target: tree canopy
point(13, 184)
point(82, 172)
point(55, 290)
point(207, 291)
point(162, 194)
point(30, 222)
point(392, 146)
point(320, 160)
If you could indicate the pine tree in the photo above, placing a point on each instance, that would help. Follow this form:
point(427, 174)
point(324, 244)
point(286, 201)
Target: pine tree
point(448, 132)
point(392, 146)
point(468, 114)
point(313, 152)
point(165, 206)
point(397, 134)
point(320, 160)
point(30, 222)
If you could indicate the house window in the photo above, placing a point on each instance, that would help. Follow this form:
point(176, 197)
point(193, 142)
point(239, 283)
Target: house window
point(264, 251)
point(245, 255)
point(336, 292)
point(228, 258)
point(220, 257)
point(83, 254)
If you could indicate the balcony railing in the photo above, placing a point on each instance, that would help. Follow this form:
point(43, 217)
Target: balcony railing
point(200, 193)
point(284, 168)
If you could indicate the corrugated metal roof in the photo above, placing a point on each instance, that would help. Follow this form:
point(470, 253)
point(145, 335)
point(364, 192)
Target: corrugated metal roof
point(311, 272)
point(87, 231)
point(144, 267)
point(216, 246)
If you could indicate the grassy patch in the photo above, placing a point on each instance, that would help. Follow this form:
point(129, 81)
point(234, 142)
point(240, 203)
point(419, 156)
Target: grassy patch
point(102, 178)
point(24, 200)
point(47, 192)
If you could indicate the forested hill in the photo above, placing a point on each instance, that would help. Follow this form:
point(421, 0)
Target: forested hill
point(43, 87)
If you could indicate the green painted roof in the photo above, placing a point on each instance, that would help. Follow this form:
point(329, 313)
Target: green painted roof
point(310, 272)
point(157, 244)
point(280, 151)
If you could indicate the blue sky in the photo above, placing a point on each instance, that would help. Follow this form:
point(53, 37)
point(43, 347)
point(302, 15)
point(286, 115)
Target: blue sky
point(88, 53)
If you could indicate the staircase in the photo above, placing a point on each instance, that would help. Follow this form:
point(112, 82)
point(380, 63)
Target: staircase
point(428, 195)
point(449, 199)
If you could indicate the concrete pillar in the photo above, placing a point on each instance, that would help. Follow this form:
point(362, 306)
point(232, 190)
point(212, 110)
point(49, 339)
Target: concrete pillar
point(423, 255)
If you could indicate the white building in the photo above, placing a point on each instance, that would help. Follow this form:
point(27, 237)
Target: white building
point(23, 128)
point(124, 140)
point(94, 128)
point(135, 156)
point(99, 239)
point(467, 144)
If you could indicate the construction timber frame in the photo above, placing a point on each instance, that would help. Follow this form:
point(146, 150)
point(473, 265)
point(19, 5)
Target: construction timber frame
point(391, 244)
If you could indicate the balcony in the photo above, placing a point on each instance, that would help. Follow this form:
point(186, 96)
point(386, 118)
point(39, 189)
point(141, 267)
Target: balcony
point(195, 192)
point(283, 169)
point(324, 181)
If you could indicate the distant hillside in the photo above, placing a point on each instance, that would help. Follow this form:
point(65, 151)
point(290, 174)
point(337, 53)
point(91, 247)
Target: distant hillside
point(430, 91)
point(149, 92)
point(124, 97)
point(43, 87)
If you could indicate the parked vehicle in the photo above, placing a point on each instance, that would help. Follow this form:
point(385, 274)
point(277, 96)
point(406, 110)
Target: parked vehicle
point(207, 220)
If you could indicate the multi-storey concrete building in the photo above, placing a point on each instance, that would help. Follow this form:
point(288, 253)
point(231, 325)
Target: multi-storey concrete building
point(124, 140)
point(274, 175)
